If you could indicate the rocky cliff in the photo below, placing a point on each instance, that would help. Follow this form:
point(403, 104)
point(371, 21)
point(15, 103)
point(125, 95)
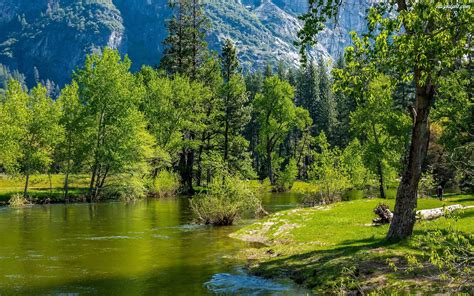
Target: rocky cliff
point(47, 39)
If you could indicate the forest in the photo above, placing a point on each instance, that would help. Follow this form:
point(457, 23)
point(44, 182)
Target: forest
point(391, 119)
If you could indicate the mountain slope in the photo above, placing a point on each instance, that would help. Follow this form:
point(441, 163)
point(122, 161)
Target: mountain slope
point(47, 39)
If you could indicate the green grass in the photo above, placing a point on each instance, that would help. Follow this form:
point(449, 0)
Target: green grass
point(41, 188)
point(318, 247)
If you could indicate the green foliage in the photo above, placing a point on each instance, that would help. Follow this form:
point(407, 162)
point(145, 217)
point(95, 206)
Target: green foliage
point(125, 187)
point(329, 172)
point(383, 129)
point(116, 136)
point(427, 184)
point(278, 115)
point(446, 256)
point(287, 177)
point(30, 130)
point(227, 199)
point(186, 48)
point(165, 184)
point(353, 158)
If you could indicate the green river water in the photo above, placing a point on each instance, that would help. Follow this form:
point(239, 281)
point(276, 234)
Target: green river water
point(149, 247)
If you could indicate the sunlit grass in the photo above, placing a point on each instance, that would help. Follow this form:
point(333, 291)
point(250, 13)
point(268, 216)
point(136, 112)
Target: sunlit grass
point(314, 245)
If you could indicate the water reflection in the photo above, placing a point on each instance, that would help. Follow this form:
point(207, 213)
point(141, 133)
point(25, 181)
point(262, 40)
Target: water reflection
point(149, 247)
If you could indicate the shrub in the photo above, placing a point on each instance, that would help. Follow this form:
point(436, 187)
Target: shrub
point(125, 187)
point(166, 184)
point(227, 199)
point(17, 200)
point(287, 177)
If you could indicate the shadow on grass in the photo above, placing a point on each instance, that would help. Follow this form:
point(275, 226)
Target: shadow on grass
point(322, 268)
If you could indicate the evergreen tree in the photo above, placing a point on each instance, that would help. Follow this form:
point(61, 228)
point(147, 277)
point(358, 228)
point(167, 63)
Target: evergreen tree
point(345, 105)
point(327, 108)
point(185, 46)
point(308, 95)
point(236, 112)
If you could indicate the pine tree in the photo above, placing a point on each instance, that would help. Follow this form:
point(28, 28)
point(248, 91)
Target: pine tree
point(327, 106)
point(186, 53)
point(236, 112)
point(186, 48)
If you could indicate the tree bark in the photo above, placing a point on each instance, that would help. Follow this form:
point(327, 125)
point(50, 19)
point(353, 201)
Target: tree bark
point(27, 181)
point(379, 164)
point(406, 201)
point(226, 141)
point(269, 166)
point(381, 180)
point(186, 170)
point(66, 185)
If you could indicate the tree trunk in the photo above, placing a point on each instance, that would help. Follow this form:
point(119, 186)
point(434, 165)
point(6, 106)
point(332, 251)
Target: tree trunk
point(186, 170)
point(66, 185)
point(27, 181)
point(199, 166)
point(379, 164)
point(226, 141)
point(269, 166)
point(381, 180)
point(406, 202)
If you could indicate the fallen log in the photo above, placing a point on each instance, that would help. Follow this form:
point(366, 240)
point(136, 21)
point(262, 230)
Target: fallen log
point(439, 212)
point(385, 215)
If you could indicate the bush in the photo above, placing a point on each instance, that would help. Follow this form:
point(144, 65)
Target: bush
point(166, 184)
point(227, 199)
point(17, 201)
point(287, 177)
point(126, 188)
point(319, 198)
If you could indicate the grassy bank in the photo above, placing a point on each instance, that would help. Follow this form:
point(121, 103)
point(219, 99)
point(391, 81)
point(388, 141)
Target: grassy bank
point(43, 187)
point(334, 249)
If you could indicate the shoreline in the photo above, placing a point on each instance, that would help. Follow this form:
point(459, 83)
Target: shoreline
point(348, 256)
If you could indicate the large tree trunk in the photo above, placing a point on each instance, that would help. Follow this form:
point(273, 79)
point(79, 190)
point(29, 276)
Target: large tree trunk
point(406, 202)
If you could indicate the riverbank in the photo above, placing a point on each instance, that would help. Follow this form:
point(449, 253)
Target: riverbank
point(335, 249)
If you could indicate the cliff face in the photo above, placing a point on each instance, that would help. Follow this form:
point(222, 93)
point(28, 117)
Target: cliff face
point(54, 36)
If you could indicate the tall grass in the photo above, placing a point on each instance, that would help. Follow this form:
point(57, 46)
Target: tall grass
point(17, 201)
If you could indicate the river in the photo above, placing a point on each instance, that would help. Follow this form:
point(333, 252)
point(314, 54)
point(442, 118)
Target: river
point(149, 247)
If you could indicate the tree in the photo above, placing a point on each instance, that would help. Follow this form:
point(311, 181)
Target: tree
point(186, 48)
point(119, 143)
point(30, 128)
point(382, 129)
point(236, 111)
point(308, 93)
point(421, 41)
point(329, 171)
point(278, 115)
point(327, 117)
point(174, 109)
point(69, 153)
point(14, 116)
